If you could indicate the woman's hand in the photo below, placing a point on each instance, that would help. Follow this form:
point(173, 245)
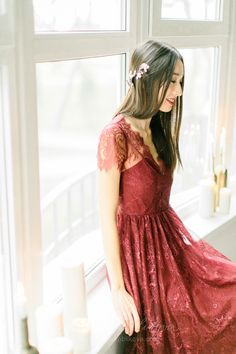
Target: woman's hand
point(126, 310)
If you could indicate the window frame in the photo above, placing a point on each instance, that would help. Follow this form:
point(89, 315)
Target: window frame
point(31, 48)
point(159, 26)
point(210, 33)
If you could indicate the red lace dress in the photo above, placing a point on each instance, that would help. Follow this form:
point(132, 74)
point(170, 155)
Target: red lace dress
point(184, 290)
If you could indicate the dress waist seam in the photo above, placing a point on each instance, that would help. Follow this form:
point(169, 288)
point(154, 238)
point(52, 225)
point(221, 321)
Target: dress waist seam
point(146, 214)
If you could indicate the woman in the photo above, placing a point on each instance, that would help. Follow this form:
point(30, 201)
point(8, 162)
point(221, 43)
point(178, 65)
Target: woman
point(172, 293)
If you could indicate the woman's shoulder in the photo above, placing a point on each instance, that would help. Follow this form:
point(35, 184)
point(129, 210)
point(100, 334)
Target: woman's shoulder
point(114, 126)
point(112, 145)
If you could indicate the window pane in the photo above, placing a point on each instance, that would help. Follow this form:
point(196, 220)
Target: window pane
point(2, 7)
point(75, 100)
point(198, 115)
point(202, 10)
point(79, 15)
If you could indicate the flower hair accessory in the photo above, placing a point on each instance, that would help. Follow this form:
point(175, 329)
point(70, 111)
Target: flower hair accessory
point(143, 68)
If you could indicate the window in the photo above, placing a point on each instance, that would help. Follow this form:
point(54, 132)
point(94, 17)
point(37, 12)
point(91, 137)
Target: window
point(76, 98)
point(196, 29)
point(79, 15)
point(78, 67)
point(71, 69)
point(79, 82)
point(189, 18)
point(202, 10)
point(2, 7)
point(71, 111)
point(198, 114)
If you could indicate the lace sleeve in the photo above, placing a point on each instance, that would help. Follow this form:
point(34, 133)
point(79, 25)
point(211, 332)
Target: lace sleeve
point(111, 148)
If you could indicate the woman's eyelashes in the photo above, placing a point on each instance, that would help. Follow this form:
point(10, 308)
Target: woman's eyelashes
point(174, 82)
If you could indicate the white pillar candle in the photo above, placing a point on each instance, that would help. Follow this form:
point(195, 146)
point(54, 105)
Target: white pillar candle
point(225, 199)
point(74, 293)
point(22, 307)
point(206, 198)
point(57, 345)
point(49, 323)
point(21, 301)
point(81, 335)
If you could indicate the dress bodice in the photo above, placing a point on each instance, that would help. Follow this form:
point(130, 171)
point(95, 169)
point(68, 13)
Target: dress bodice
point(145, 183)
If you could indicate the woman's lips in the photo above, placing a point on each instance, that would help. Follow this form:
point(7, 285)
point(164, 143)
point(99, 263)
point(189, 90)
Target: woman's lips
point(171, 101)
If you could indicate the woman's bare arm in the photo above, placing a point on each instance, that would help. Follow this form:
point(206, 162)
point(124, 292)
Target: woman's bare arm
point(108, 189)
point(108, 192)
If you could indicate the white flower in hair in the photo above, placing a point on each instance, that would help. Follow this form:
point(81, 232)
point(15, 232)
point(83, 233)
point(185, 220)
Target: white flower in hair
point(132, 74)
point(143, 68)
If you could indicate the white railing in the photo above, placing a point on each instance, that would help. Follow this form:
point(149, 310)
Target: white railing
point(68, 212)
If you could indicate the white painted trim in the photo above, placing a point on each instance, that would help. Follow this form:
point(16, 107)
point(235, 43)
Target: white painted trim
point(143, 20)
point(29, 197)
point(8, 207)
point(192, 41)
point(72, 47)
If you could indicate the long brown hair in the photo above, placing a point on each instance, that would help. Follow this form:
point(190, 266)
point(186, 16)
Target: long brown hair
point(143, 100)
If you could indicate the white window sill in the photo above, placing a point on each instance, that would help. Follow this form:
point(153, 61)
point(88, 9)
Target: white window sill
point(205, 227)
point(106, 327)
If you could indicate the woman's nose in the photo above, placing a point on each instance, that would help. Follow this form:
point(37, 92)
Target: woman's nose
point(178, 90)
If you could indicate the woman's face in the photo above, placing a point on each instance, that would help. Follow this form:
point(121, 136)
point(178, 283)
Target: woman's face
point(175, 88)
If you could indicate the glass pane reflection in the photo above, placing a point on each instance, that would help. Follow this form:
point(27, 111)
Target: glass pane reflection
point(201, 10)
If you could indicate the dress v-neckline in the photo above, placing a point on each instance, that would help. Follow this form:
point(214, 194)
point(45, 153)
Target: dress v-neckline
point(145, 146)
